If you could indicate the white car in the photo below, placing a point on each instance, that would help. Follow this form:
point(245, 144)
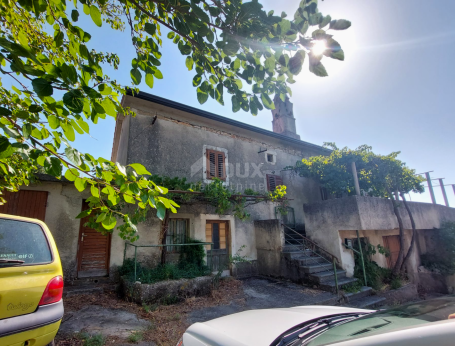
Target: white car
point(426, 323)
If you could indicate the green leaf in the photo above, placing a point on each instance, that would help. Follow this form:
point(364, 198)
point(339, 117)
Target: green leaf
point(136, 76)
point(42, 87)
point(150, 28)
point(94, 191)
point(157, 73)
point(83, 214)
point(268, 103)
point(189, 63)
point(5, 111)
point(96, 15)
point(160, 211)
point(171, 35)
point(140, 169)
point(73, 155)
point(80, 184)
point(340, 24)
point(109, 107)
point(296, 62)
point(71, 174)
point(318, 69)
point(74, 101)
point(27, 130)
point(101, 217)
point(129, 199)
point(74, 15)
point(54, 167)
point(235, 103)
point(121, 168)
point(149, 80)
point(35, 109)
point(326, 20)
point(202, 96)
point(68, 131)
point(53, 122)
point(109, 222)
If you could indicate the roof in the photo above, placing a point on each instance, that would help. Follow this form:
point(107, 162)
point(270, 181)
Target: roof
point(182, 107)
point(50, 178)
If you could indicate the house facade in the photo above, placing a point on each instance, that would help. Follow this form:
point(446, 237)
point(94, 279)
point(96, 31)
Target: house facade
point(172, 139)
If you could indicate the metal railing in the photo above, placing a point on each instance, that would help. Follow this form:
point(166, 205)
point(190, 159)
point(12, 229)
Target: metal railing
point(160, 245)
point(292, 238)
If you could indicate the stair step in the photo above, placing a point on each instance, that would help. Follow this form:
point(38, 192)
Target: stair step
point(76, 290)
point(370, 302)
point(331, 285)
point(310, 260)
point(328, 275)
point(316, 268)
point(288, 248)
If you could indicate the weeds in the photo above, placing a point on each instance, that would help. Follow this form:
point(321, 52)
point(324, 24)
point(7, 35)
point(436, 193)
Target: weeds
point(353, 287)
point(395, 283)
point(92, 340)
point(136, 336)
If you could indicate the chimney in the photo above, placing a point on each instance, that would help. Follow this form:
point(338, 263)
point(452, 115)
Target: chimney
point(283, 118)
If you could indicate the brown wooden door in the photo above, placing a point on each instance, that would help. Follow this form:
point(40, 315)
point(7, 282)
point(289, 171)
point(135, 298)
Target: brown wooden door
point(217, 232)
point(93, 251)
point(26, 203)
point(392, 242)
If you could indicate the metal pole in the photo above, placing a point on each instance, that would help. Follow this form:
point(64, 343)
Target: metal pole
point(124, 253)
point(335, 271)
point(356, 178)
point(443, 189)
point(211, 258)
point(361, 258)
point(135, 262)
point(430, 187)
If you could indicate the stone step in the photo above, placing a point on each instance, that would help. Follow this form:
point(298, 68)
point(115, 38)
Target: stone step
point(310, 260)
point(316, 268)
point(76, 290)
point(89, 281)
point(370, 302)
point(365, 291)
point(288, 248)
point(330, 286)
point(328, 275)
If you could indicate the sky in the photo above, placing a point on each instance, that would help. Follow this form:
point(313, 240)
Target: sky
point(394, 91)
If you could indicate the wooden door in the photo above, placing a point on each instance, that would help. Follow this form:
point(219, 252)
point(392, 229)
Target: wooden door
point(93, 251)
point(26, 203)
point(217, 232)
point(392, 242)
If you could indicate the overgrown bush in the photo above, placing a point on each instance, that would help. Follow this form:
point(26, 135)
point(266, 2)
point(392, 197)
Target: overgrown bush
point(376, 275)
point(191, 265)
point(442, 260)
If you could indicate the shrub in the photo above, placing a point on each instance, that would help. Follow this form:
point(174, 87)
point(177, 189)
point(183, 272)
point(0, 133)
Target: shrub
point(395, 283)
point(442, 260)
point(376, 275)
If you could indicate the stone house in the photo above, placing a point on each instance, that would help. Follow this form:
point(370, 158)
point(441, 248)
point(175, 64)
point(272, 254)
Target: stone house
point(187, 142)
point(172, 139)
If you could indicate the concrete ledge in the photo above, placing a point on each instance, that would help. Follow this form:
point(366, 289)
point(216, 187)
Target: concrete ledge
point(170, 290)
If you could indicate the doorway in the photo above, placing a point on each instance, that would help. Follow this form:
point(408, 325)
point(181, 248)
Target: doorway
point(93, 251)
point(217, 232)
point(392, 242)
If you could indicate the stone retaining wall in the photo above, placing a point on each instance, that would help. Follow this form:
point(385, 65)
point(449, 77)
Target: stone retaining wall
point(169, 290)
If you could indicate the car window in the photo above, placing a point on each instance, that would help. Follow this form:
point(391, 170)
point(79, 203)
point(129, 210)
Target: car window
point(385, 321)
point(23, 241)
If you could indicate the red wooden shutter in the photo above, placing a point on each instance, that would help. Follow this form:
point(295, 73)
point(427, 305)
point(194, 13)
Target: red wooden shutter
point(215, 164)
point(273, 181)
point(26, 203)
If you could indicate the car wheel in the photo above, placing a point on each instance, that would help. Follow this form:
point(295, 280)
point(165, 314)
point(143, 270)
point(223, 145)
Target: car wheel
point(52, 343)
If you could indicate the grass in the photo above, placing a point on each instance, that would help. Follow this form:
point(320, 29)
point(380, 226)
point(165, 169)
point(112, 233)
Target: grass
point(136, 336)
point(92, 340)
point(395, 283)
point(175, 317)
point(149, 308)
point(353, 287)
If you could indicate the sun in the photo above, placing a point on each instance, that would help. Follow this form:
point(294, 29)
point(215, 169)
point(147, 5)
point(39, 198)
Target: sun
point(318, 48)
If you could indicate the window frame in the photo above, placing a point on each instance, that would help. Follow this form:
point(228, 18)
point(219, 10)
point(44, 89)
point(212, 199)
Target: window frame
point(169, 246)
point(206, 164)
point(277, 179)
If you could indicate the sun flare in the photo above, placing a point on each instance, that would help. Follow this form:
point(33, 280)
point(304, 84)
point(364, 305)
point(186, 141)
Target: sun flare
point(319, 48)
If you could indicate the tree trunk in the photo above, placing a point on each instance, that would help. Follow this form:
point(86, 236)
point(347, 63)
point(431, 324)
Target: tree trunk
point(413, 225)
point(164, 227)
point(397, 267)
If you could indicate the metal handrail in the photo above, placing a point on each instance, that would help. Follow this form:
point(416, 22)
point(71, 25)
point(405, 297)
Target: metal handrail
point(306, 240)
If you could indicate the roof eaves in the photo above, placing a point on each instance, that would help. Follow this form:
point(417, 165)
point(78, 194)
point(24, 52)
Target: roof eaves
point(179, 106)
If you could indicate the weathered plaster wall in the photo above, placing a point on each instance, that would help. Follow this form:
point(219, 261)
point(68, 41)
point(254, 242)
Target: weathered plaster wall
point(269, 244)
point(329, 222)
point(64, 203)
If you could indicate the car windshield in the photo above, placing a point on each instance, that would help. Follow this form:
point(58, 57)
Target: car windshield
point(409, 315)
point(22, 243)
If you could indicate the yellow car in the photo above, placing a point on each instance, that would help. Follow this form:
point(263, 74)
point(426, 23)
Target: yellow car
point(31, 283)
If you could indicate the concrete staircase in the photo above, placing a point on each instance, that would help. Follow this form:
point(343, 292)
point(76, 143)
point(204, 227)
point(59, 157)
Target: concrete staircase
point(316, 266)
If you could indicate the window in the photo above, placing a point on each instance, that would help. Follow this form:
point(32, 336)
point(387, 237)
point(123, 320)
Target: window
point(177, 233)
point(269, 157)
point(273, 181)
point(216, 167)
point(23, 241)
